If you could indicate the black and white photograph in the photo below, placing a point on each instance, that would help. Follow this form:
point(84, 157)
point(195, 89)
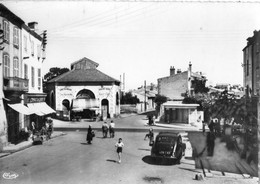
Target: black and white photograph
point(129, 91)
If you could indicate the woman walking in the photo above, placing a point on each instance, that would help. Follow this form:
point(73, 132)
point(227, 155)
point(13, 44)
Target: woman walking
point(89, 134)
point(119, 145)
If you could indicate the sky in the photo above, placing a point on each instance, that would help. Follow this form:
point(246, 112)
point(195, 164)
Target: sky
point(143, 39)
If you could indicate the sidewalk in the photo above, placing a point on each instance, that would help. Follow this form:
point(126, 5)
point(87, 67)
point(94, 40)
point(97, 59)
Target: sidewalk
point(12, 148)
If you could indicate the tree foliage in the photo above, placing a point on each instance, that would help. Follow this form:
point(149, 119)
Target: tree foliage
point(128, 98)
point(54, 72)
point(199, 86)
point(159, 100)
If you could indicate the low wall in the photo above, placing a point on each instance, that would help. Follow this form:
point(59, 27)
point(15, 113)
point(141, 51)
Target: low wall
point(223, 159)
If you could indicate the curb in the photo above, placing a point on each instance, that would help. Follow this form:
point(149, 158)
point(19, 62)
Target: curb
point(120, 129)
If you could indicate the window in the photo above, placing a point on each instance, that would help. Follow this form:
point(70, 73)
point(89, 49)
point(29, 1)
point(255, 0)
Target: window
point(16, 37)
point(6, 31)
point(33, 77)
point(16, 67)
point(32, 48)
point(6, 65)
point(25, 43)
point(247, 67)
point(25, 71)
point(39, 78)
point(38, 51)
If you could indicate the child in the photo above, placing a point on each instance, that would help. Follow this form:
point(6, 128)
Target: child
point(119, 145)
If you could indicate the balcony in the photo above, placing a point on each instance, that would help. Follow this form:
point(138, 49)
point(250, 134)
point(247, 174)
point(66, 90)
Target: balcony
point(15, 84)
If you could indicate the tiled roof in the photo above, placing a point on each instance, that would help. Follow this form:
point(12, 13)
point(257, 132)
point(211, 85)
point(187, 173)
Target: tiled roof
point(88, 75)
point(85, 59)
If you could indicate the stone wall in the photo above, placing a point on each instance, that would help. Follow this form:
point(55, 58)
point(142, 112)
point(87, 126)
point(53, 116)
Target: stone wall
point(173, 86)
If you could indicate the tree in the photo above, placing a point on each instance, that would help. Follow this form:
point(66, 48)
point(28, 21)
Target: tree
point(128, 98)
point(199, 86)
point(54, 72)
point(159, 100)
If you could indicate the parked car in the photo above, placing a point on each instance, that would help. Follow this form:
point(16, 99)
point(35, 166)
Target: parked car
point(168, 145)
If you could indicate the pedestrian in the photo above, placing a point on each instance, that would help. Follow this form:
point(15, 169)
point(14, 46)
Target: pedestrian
point(119, 145)
point(150, 134)
point(154, 119)
point(33, 127)
point(112, 129)
point(105, 129)
point(90, 135)
point(203, 126)
point(179, 149)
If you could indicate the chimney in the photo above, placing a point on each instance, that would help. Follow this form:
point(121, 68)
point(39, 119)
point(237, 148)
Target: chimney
point(33, 26)
point(172, 71)
point(179, 71)
point(190, 65)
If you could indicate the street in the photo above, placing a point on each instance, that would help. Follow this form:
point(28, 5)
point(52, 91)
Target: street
point(68, 159)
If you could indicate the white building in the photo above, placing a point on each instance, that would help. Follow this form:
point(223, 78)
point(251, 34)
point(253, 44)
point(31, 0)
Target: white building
point(21, 76)
point(84, 90)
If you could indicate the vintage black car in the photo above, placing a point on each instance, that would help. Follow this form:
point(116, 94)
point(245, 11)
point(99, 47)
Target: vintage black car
point(168, 145)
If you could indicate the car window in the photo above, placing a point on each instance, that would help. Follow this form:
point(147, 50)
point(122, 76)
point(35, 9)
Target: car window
point(165, 139)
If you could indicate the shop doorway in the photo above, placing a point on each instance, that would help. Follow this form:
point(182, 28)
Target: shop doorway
point(105, 109)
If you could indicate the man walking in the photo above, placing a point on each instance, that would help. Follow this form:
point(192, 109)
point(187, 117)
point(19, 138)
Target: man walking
point(112, 129)
point(105, 129)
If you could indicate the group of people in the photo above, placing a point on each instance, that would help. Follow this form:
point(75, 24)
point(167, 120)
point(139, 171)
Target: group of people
point(108, 129)
point(105, 129)
point(47, 128)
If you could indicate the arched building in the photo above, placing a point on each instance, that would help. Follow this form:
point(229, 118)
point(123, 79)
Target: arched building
point(84, 90)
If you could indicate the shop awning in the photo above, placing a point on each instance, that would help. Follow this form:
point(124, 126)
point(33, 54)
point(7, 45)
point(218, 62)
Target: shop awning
point(84, 104)
point(21, 108)
point(40, 108)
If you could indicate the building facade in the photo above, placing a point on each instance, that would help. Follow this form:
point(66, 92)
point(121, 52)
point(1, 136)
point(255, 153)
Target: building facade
point(146, 96)
point(251, 64)
point(17, 55)
point(84, 90)
point(178, 84)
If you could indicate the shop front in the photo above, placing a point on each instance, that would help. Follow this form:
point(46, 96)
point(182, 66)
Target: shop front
point(172, 112)
point(38, 108)
point(14, 110)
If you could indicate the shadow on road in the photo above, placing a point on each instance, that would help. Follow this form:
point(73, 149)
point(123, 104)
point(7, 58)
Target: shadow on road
point(159, 161)
point(84, 143)
point(109, 160)
point(187, 169)
point(143, 149)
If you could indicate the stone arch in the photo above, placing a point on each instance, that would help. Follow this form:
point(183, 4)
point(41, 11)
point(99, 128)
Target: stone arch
point(105, 109)
point(117, 99)
point(52, 100)
point(65, 105)
point(85, 94)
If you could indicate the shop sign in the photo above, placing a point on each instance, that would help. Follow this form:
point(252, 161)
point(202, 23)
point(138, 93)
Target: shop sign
point(66, 91)
point(35, 99)
point(104, 91)
point(66, 88)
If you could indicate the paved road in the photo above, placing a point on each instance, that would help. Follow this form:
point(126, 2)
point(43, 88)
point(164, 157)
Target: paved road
point(133, 122)
point(68, 159)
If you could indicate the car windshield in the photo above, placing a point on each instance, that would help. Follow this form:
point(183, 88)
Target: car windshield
point(165, 139)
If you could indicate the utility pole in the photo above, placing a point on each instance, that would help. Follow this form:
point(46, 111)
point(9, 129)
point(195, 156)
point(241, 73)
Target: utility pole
point(145, 96)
